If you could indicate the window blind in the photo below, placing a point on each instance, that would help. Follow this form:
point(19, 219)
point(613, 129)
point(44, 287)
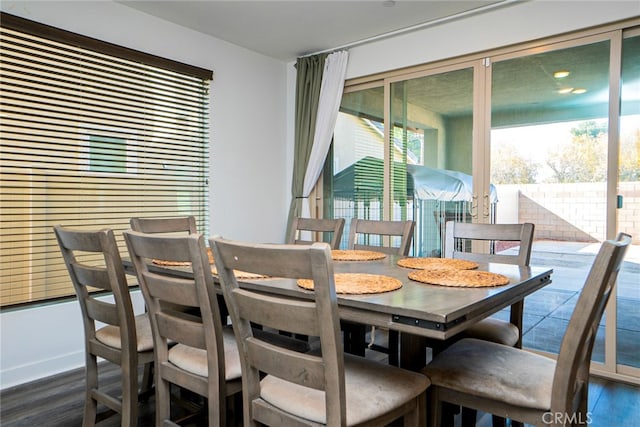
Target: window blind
point(89, 140)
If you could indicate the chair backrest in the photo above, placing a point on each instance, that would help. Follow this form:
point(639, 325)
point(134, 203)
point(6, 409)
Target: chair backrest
point(93, 261)
point(458, 235)
point(316, 317)
point(331, 227)
point(152, 225)
point(173, 303)
point(571, 379)
point(370, 235)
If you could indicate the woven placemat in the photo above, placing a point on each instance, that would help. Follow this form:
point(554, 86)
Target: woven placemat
point(181, 263)
point(356, 255)
point(358, 283)
point(437, 263)
point(459, 278)
point(241, 274)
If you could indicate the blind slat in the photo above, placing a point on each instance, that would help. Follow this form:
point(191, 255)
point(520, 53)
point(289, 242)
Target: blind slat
point(90, 140)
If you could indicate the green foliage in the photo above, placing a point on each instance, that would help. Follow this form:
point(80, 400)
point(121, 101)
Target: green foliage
point(584, 159)
point(630, 158)
point(509, 167)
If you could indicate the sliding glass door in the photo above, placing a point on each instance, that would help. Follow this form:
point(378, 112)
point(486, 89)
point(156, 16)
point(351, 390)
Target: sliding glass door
point(624, 333)
point(431, 151)
point(547, 133)
point(551, 139)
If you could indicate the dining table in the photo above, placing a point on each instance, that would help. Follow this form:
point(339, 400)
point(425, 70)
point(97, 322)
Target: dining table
point(418, 311)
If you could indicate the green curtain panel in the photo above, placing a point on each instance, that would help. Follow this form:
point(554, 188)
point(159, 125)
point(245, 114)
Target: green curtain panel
point(308, 84)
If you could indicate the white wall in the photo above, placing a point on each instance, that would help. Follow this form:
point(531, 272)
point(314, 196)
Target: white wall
point(252, 110)
point(515, 23)
point(250, 165)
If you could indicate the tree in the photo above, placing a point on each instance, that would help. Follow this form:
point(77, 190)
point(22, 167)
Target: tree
point(584, 159)
point(508, 166)
point(630, 157)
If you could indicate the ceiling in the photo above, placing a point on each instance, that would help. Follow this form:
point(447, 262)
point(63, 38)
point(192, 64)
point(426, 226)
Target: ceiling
point(286, 30)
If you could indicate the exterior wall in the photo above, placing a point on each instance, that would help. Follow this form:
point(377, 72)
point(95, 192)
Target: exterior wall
point(574, 212)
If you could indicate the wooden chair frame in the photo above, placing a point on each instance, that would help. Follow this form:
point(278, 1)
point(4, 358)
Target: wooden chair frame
point(317, 317)
point(183, 312)
point(93, 260)
point(354, 333)
point(402, 229)
point(153, 225)
point(569, 383)
point(316, 226)
point(521, 233)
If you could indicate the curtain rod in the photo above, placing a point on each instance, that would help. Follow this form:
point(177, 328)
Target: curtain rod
point(421, 26)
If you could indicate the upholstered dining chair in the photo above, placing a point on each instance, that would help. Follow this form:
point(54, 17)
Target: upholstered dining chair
point(521, 385)
point(203, 357)
point(332, 228)
point(458, 238)
point(154, 225)
point(371, 235)
point(284, 387)
point(93, 262)
point(458, 243)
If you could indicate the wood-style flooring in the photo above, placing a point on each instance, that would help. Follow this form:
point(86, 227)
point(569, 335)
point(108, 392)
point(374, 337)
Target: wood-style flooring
point(57, 401)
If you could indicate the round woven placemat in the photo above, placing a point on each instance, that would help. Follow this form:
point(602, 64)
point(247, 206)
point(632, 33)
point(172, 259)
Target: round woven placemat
point(358, 283)
point(356, 255)
point(459, 278)
point(437, 263)
point(240, 274)
point(180, 263)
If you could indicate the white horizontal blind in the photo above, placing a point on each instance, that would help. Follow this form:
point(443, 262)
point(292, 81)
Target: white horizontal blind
point(89, 140)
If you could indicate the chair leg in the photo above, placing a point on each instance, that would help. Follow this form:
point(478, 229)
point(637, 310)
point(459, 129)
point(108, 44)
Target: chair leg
point(394, 344)
point(469, 417)
point(129, 415)
point(163, 401)
point(499, 421)
point(354, 338)
point(448, 413)
point(412, 419)
point(434, 411)
point(146, 385)
point(91, 383)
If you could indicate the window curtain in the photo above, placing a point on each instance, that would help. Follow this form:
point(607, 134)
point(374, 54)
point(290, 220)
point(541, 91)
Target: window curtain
point(320, 82)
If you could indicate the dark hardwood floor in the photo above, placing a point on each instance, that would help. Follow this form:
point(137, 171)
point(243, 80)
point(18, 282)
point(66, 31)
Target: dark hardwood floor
point(57, 401)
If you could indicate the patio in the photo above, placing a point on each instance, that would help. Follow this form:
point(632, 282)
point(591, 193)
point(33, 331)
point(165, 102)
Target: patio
point(547, 311)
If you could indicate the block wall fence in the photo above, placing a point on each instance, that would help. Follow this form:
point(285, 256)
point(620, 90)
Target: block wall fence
point(576, 212)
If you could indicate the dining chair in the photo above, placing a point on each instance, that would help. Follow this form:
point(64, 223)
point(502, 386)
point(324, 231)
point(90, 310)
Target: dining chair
point(203, 356)
point(371, 235)
point(524, 386)
point(330, 228)
point(327, 387)
point(367, 234)
point(93, 263)
point(458, 242)
point(153, 225)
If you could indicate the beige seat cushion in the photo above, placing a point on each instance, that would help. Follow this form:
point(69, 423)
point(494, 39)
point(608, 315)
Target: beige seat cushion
point(494, 330)
point(372, 389)
point(194, 360)
point(110, 335)
point(494, 371)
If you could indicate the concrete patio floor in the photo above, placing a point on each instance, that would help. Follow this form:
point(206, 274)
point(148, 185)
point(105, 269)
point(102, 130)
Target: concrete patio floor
point(547, 312)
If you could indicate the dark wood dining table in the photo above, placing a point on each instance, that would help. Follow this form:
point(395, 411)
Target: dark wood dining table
point(418, 311)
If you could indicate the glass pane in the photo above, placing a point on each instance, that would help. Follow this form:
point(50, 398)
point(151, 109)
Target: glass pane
point(628, 313)
point(432, 153)
point(358, 158)
point(549, 118)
